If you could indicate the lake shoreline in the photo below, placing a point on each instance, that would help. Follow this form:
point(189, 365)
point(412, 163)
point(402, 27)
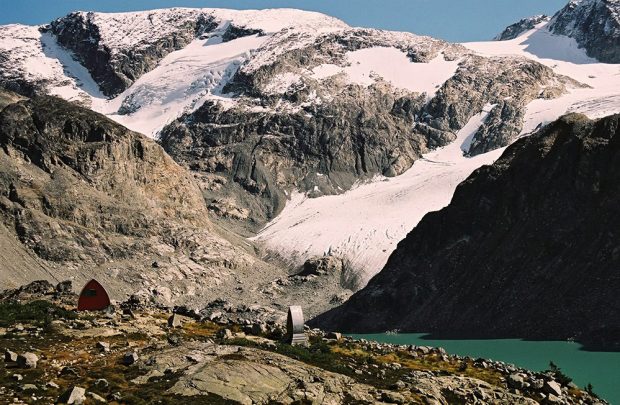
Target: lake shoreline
point(601, 369)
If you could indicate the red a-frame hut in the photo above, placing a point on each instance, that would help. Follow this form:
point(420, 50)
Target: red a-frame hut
point(93, 297)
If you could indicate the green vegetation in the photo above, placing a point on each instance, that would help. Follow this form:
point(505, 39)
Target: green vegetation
point(39, 313)
point(590, 390)
point(558, 374)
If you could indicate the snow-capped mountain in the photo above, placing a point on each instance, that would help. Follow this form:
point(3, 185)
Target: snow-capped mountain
point(269, 108)
point(594, 24)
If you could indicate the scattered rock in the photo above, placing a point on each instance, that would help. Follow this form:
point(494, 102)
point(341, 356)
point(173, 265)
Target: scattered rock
point(17, 377)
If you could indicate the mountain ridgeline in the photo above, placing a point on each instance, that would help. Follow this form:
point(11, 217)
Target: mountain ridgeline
point(285, 116)
point(527, 248)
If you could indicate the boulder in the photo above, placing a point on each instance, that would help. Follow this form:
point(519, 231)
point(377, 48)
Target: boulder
point(259, 329)
point(515, 381)
point(27, 360)
point(334, 335)
point(97, 398)
point(392, 397)
point(101, 384)
point(215, 316)
point(103, 346)
point(64, 287)
point(225, 333)
point(177, 321)
point(9, 356)
point(69, 371)
point(130, 358)
point(29, 387)
point(552, 388)
point(74, 395)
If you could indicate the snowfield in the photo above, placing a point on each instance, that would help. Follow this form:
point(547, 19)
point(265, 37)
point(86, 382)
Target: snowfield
point(120, 30)
point(392, 65)
point(365, 224)
point(563, 55)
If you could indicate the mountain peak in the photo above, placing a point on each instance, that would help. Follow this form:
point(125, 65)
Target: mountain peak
point(520, 27)
point(594, 24)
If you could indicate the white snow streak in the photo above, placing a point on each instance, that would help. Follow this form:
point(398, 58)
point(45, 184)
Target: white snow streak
point(182, 82)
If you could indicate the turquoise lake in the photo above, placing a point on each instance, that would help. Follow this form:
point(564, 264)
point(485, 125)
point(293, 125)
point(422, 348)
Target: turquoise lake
point(601, 369)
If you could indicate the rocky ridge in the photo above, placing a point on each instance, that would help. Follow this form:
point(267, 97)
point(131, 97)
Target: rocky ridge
point(538, 260)
point(521, 26)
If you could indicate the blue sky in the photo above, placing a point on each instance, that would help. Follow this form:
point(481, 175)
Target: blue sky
point(453, 20)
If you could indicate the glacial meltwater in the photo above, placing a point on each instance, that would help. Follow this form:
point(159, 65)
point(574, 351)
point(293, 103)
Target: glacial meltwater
point(601, 369)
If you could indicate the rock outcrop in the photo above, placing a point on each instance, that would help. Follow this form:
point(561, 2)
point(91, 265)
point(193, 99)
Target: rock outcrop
point(76, 184)
point(83, 197)
point(302, 106)
point(527, 248)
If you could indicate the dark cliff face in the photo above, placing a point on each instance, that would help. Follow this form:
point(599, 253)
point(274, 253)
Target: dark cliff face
point(528, 247)
point(329, 146)
point(116, 70)
point(73, 182)
point(594, 24)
